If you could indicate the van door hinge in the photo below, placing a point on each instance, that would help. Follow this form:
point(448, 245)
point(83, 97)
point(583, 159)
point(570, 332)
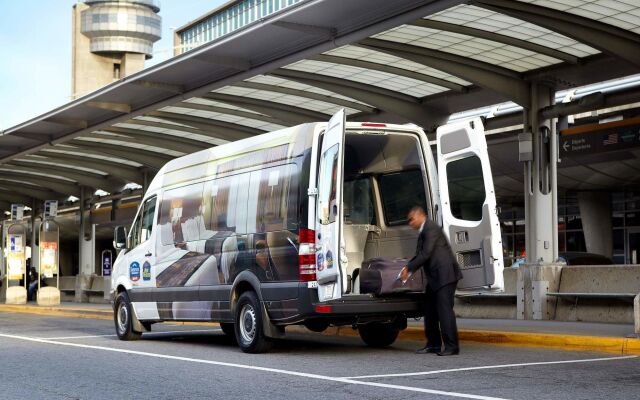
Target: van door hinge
point(312, 191)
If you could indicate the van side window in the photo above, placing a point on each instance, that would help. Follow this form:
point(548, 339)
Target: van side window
point(328, 185)
point(134, 236)
point(399, 192)
point(181, 217)
point(148, 212)
point(268, 200)
point(466, 188)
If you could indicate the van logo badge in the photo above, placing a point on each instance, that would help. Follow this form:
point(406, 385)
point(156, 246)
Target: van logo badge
point(320, 262)
point(134, 271)
point(329, 260)
point(146, 271)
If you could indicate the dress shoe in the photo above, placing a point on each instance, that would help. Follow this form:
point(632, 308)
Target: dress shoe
point(428, 350)
point(453, 352)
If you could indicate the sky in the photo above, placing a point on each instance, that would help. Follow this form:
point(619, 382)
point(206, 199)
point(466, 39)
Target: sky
point(35, 52)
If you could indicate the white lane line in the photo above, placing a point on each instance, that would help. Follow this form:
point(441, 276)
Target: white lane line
point(255, 368)
point(145, 334)
point(76, 337)
point(442, 371)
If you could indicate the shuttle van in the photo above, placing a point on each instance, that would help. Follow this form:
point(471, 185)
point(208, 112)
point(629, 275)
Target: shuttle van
point(272, 230)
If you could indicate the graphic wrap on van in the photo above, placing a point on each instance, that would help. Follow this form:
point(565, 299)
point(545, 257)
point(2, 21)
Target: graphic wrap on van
point(211, 231)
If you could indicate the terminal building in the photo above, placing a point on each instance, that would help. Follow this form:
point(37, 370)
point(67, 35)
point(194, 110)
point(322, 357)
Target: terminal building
point(557, 86)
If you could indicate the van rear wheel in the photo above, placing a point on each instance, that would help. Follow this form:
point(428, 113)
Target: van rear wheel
point(377, 334)
point(249, 325)
point(123, 318)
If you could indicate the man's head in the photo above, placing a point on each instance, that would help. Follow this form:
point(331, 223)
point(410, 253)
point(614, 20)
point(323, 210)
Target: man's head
point(416, 217)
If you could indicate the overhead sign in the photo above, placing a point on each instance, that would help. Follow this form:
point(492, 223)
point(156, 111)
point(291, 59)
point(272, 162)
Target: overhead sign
point(598, 138)
point(17, 212)
point(50, 208)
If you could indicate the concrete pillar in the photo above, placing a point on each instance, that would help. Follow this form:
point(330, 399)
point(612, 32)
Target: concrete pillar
point(540, 221)
point(86, 250)
point(539, 275)
point(595, 212)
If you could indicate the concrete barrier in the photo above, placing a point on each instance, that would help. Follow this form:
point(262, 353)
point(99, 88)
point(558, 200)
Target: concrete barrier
point(493, 306)
point(603, 293)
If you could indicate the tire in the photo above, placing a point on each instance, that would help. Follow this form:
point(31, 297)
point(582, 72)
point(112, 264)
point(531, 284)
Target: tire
point(248, 325)
point(378, 334)
point(228, 329)
point(122, 317)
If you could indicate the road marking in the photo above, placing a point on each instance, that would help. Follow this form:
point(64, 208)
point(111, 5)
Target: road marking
point(442, 371)
point(255, 368)
point(76, 337)
point(144, 334)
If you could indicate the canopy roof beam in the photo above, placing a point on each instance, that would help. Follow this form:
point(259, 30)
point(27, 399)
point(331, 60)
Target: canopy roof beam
point(82, 177)
point(218, 129)
point(404, 106)
point(130, 174)
point(609, 39)
point(306, 94)
point(57, 185)
point(171, 142)
point(496, 37)
point(354, 62)
point(501, 80)
point(294, 115)
point(230, 111)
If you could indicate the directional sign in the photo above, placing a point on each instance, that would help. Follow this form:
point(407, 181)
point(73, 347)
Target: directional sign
point(598, 138)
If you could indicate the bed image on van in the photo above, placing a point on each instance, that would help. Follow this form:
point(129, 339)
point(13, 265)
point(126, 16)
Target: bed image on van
point(274, 230)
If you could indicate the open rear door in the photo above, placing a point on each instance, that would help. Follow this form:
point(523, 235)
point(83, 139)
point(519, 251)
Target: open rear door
point(469, 213)
point(329, 213)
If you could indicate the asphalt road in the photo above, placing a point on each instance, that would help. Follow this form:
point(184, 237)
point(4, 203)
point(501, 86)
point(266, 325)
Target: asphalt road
point(68, 358)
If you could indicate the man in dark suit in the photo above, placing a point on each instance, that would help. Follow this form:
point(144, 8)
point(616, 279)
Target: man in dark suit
point(442, 273)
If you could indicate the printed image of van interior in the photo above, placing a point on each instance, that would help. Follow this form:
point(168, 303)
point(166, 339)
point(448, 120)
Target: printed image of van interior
point(289, 228)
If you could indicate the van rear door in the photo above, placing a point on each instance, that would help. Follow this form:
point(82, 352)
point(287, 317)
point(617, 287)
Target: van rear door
point(329, 212)
point(469, 213)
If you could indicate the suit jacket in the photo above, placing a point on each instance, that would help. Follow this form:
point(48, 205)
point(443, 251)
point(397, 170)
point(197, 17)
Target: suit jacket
point(434, 255)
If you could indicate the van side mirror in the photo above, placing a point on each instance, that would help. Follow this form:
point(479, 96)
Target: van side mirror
point(120, 238)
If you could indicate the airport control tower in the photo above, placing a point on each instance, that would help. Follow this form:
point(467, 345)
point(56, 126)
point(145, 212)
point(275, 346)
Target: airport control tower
point(111, 39)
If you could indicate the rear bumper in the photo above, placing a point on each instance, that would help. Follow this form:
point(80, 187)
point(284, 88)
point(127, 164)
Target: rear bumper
point(294, 302)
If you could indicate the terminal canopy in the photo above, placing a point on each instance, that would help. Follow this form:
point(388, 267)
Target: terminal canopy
point(401, 61)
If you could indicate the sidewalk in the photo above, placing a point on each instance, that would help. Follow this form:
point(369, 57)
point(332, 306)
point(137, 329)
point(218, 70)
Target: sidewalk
point(577, 336)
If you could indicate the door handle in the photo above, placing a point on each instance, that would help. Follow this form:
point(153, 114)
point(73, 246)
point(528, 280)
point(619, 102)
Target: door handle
point(148, 254)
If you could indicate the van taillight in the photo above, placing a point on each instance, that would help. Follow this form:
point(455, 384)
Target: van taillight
point(307, 255)
point(374, 125)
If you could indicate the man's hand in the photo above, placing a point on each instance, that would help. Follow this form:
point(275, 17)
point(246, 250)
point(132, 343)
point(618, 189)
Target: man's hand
point(404, 274)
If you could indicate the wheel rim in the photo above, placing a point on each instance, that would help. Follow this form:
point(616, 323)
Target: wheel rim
point(247, 323)
point(123, 318)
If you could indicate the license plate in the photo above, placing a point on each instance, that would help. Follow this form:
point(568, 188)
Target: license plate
point(327, 291)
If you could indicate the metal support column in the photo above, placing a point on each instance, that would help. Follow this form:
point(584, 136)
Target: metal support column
point(539, 275)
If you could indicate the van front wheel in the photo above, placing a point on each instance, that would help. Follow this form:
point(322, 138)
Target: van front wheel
point(249, 325)
point(123, 318)
point(376, 334)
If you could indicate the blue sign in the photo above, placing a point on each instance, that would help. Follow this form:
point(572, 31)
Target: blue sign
point(146, 271)
point(134, 271)
point(320, 263)
point(329, 259)
point(106, 263)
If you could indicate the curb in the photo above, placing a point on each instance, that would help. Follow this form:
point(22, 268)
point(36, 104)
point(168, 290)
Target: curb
point(613, 345)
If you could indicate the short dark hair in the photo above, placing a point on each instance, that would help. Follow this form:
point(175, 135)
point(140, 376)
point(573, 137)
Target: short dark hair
point(417, 209)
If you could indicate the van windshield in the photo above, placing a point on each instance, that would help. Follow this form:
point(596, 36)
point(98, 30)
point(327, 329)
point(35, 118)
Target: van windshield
point(399, 192)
